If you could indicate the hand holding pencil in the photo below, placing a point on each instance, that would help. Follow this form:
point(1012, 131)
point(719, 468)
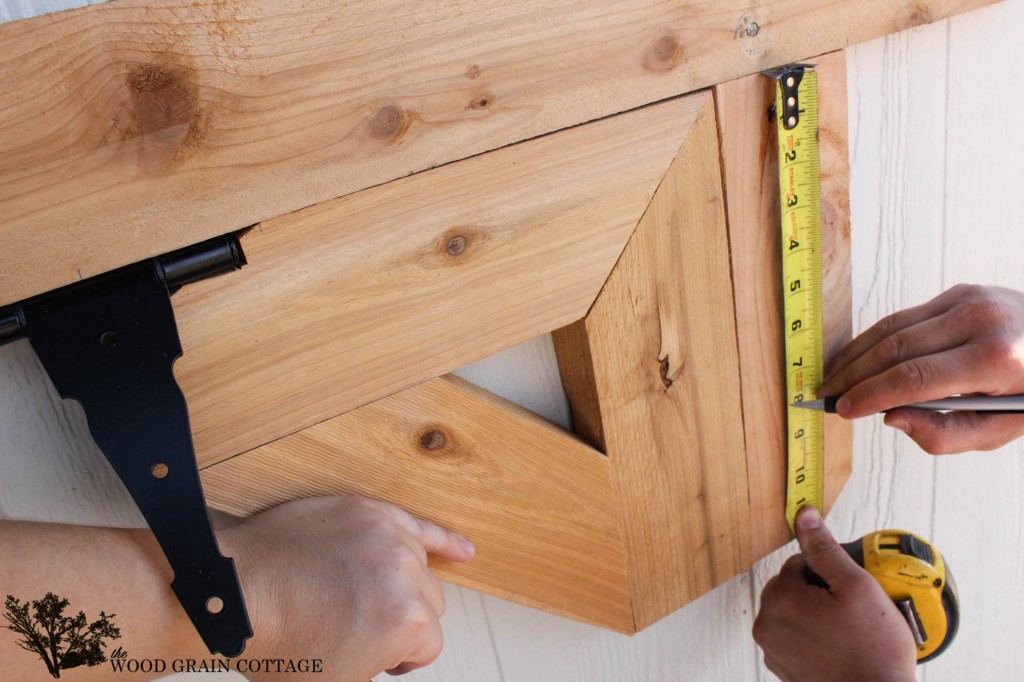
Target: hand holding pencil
point(968, 340)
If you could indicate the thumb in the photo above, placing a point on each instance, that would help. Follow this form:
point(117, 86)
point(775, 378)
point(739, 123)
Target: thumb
point(822, 553)
point(940, 433)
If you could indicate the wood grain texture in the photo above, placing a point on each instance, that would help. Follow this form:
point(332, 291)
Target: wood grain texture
point(358, 298)
point(138, 126)
point(665, 375)
point(538, 503)
point(750, 173)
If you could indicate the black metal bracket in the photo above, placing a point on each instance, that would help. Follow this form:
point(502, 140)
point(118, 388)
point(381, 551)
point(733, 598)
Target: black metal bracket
point(110, 342)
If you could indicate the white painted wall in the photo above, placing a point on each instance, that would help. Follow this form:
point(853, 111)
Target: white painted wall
point(937, 177)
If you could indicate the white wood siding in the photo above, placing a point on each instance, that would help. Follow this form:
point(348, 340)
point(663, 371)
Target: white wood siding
point(937, 153)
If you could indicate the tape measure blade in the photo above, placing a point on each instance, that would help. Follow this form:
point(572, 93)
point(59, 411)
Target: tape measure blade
point(796, 109)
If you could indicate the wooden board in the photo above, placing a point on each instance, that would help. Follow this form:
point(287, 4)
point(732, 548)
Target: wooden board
point(138, 126)
point(657, 360)
point(750, 171)
point(537, 502)
point(654, 375)
point(358, 298)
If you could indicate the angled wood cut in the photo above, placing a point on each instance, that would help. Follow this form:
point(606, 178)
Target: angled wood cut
point(661, 375)
point(363, 296)
point(653, 369)
point(560, 560)
point(537, 502)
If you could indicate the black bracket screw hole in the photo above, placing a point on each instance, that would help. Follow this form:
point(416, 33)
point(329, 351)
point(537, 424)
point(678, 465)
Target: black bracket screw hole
point(108, 340)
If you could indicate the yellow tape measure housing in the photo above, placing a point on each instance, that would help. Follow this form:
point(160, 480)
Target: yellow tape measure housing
point(796, 107)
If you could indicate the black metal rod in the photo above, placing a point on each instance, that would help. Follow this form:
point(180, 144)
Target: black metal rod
point(12, 324)
point(213, 257)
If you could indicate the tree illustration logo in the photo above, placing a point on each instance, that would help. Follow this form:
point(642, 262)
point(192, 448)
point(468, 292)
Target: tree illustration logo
point(61, 641)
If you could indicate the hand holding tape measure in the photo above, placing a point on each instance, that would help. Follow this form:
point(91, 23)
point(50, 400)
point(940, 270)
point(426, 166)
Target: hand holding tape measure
point(849, 632)
point(906, 569)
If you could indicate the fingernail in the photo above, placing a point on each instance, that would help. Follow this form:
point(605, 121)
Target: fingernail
point(843, 406)
point(808, 518)
point(467, 546)
point(901, 425)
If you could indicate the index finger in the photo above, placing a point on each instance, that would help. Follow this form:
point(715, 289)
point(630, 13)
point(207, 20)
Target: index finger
point(884, 328)
point(930, 377)
point(435, 539)
point(934, 335)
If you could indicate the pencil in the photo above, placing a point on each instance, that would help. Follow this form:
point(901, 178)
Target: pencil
point(1007, 404)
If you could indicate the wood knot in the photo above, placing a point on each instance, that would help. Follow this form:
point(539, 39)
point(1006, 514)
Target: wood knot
point(482, 102)
point(663, 54)
point(922, 14)
point(441, 445)
point(456, 245)
point(390, 123)
point(473, 72)
point(161, 98)
point(151, 78)
point(433, 440)
point(664, 370)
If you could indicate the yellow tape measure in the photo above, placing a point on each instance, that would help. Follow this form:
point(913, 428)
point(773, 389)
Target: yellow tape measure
point(796, 107)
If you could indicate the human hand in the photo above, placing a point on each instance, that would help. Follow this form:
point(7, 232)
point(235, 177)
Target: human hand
point(343, 579)
point(969, 339)
point(850, 632)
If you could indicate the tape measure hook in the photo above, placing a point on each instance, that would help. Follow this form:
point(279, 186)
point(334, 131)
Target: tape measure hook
point(789, 78)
